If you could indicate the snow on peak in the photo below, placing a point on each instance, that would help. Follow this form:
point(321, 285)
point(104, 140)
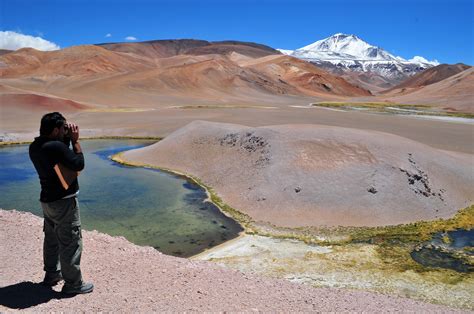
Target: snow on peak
point(349, 52)
point(418, 59)
point(285, 51)
point(349, 46)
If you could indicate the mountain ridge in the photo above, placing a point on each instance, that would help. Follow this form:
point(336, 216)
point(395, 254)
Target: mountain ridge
point(170, 47)
point(430, 76)
point(136, 73)
point(344, 54)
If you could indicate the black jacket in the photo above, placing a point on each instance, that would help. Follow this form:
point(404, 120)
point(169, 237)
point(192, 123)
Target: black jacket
point(45, 153)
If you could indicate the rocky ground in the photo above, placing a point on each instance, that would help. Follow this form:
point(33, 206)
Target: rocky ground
point(132, 278)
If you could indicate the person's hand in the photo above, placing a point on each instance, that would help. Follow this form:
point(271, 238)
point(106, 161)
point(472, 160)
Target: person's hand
point(73, 132)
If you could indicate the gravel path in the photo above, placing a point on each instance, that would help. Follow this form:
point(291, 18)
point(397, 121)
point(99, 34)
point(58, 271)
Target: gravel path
point(131, 278)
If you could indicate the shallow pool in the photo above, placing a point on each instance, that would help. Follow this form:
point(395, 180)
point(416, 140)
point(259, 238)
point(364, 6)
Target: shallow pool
point(148, 207)
point(452, 250)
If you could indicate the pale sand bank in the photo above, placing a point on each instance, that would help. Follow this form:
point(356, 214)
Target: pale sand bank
point(309, 175)
point(163, 121)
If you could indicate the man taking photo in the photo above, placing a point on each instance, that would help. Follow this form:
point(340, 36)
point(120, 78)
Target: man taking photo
point(62, 245)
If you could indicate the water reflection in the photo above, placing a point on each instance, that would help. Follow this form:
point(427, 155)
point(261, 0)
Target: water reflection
point(451, 250)
point(148, 207)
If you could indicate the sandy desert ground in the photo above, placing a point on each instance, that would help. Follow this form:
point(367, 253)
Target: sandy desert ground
point(134, 278)
point(160, 122)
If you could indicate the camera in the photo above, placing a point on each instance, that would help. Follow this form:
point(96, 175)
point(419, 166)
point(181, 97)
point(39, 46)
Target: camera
point(67, 130)
point(67, 134)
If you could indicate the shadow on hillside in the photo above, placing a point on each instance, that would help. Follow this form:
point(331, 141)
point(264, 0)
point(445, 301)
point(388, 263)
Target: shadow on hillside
point(27, 294)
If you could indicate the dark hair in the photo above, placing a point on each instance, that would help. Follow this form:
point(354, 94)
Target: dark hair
point(50, 121)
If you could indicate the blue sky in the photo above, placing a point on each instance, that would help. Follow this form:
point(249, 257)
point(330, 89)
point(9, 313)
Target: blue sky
point(434, 29)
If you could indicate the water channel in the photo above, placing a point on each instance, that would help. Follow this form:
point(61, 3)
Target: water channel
point(148, 207)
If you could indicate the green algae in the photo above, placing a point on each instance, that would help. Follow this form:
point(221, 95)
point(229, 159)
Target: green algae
point(104, 137)
point(395, 108)
point(228, 106)
point(119, 137)
point(7, 143)
point(243, 219)
point(393, 243)
point(372, 105)
point(403, 233)
point(416, 231)
point(398, 234)
point(360, 251)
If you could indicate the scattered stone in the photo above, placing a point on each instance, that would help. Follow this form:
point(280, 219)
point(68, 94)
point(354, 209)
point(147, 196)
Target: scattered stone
point(297, 189)
point(372, 190)
point(328, 86)
point(418, 180)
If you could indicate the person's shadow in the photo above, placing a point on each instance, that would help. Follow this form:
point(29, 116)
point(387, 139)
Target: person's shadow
point(27, 294)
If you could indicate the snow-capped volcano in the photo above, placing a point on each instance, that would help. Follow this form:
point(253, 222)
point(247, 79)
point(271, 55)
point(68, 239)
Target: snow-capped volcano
point(348, 47)
point(344, 46)
point(342, 52)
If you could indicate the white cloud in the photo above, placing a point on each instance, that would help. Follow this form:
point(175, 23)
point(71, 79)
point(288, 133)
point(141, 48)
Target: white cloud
point(130, 38)
point(13, 41)
point(108, 35)
point(423, 60)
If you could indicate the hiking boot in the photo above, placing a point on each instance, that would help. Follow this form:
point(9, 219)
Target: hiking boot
point(84, 288)
point(52, 279)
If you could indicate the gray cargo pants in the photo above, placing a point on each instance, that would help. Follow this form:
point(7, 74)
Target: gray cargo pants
point(62, 245)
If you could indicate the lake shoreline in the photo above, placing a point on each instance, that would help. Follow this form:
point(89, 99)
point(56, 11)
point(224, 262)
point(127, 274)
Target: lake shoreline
point(251, 229)
point(193, 221)
point(7, 143)
point(118, 158)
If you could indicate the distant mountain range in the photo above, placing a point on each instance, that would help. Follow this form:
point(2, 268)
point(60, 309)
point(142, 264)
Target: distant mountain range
point(342, 53)
point(184, 71)
point(429, 76)
point(164, 72)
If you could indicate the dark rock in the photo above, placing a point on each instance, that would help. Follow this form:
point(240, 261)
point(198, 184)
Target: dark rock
point(372, 190)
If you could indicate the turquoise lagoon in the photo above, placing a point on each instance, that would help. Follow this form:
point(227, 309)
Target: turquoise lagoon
point(146, 206)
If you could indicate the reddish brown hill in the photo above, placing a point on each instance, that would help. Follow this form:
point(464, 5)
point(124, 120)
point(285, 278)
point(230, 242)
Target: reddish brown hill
point(156, 48)
point(304, 76)
point(73, 61)
point(221, 77)
point(428, 77)
point(5, 51)
point(214, 77)
point(169, 48)
point(226, 47)
point(34, 102)
point(368, 80)
point(137, 73)
point(453, 93)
